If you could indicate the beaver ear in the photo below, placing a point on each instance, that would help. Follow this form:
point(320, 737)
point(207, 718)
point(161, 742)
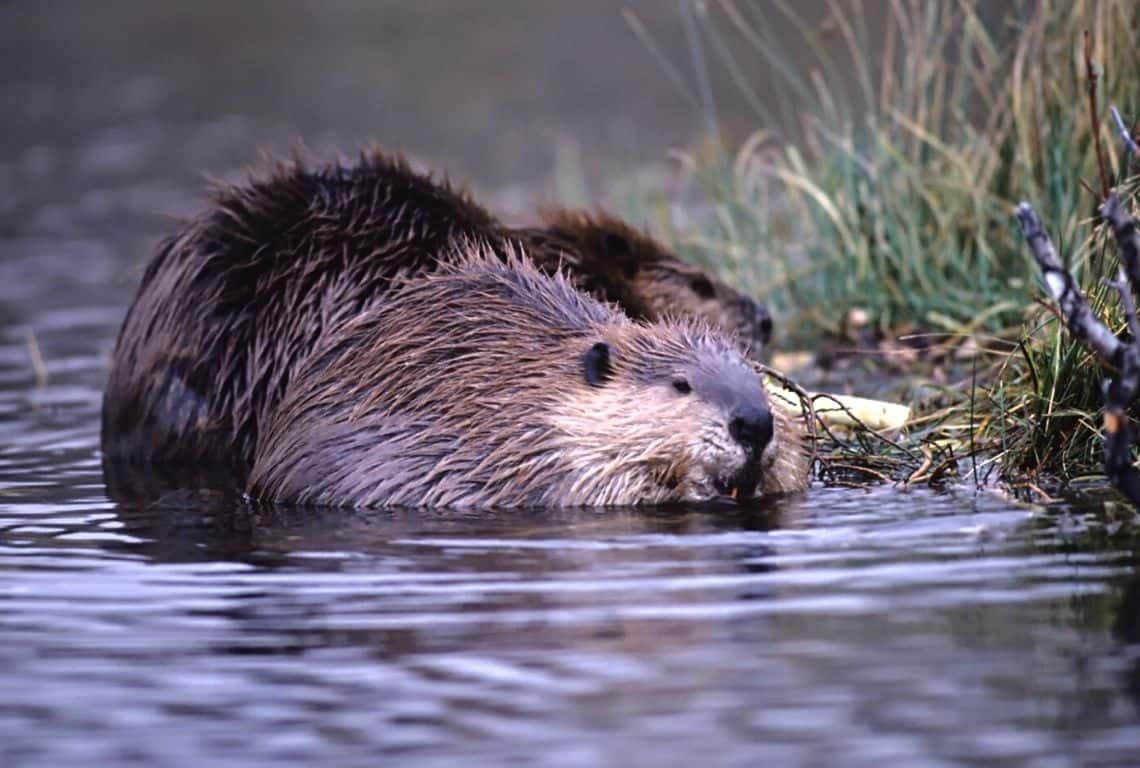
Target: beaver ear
point(617, 251)
point(597, 364)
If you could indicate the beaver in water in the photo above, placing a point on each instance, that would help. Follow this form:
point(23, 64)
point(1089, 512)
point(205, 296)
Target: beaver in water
point(491, 384)
point(229, 307)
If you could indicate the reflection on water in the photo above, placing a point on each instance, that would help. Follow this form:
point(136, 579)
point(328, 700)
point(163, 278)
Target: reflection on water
point(884, 627)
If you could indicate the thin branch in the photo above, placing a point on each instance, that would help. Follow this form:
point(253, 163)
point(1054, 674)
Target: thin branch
point(1122, 129)
point(1092, 77)
point(807, 405)
point(923, 469)
point(863, 427)
point(1079, 317)
point(833, 465)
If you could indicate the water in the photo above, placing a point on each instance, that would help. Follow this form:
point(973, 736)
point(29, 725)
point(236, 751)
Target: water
point(840, 627)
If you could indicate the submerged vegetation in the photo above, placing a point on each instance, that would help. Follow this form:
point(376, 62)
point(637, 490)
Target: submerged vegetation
point(891, 202)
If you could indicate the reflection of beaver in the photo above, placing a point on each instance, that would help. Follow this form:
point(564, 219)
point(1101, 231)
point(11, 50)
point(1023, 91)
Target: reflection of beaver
point(228, 308)
point(490, 384)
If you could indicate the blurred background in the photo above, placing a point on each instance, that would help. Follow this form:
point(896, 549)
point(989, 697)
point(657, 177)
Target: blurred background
point(123, 105)
point(116, 112)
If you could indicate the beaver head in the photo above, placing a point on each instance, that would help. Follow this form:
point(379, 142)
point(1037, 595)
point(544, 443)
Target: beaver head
point(609, 259)
point(670, 412)
point(490, 384)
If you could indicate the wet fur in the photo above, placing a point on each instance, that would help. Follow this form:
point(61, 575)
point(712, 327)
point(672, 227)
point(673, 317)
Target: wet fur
point(466, 388)
point(231, 306)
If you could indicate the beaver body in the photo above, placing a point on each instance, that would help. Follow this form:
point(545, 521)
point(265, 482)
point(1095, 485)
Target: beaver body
point(230, 307)
point(491, 384)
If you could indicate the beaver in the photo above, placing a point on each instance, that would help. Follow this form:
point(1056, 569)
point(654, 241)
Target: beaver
point(490, 384)
point(231, 305)
point(613, 261)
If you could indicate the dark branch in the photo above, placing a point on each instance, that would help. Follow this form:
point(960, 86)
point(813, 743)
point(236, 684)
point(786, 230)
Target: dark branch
point(1127, 238)
point(1079, 317)
point(1118, 432)
point(1093, 76)
point(1119, 392)
point(1123, 288)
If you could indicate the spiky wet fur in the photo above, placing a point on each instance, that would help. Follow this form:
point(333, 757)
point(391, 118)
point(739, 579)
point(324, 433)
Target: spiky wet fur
point(234, 303)
point(466, 388)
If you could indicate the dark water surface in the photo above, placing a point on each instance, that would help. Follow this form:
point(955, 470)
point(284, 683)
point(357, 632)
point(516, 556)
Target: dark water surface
point(838, 628)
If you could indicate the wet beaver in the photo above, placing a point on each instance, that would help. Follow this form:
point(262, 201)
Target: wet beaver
point(491, 384)
point(230, 306)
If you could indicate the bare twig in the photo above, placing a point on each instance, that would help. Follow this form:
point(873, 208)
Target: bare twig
point(821, 434)
point(1122, 129)
point(863, 427)
point(923, 469)
point(834, 466)
point(1093, 77)
point(1079, 317)
point(806, 402)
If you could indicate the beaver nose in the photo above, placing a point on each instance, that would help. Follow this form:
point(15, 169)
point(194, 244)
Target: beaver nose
point(751, 426)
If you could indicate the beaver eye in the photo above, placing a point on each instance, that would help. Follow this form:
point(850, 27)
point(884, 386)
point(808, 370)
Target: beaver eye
point(682, 386)
point(703, 287)
point(597, 364)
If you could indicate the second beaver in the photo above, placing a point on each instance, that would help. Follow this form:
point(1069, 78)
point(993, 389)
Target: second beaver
point(229, 307)
point(490, 384)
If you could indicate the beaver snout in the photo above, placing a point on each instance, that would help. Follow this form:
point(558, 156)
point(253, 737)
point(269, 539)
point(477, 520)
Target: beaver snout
point(751, 426)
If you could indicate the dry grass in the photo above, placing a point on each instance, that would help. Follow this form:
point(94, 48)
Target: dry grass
point(894, 197)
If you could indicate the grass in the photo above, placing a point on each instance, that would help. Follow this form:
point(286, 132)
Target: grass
point(883, 179)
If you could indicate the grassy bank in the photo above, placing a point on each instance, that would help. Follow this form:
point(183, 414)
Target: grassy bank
point(891, 201)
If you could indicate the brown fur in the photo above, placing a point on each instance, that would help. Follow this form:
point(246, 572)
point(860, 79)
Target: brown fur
point(615, 262)
point(471, 387)
point(232, 305)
